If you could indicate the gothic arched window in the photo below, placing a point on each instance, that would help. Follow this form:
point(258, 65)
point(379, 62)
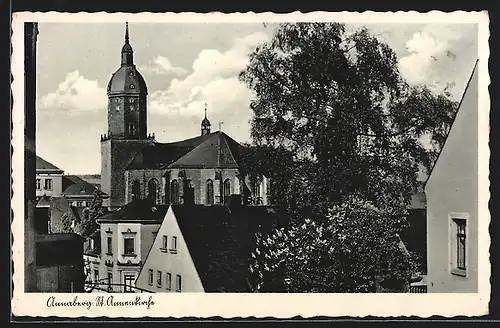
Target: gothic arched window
point(153, 191)
point(227, 188)
point(210, 192)
point(136, 190)
point(131, 129)
point(174, 192)
point(256, 193)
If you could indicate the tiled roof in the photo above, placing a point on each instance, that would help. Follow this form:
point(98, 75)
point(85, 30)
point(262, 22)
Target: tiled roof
point(141, 210)
point(219, 150)
point(160, 155)
point(220, 241)
point(75, 186)
point(43, 165)
point(198, 152)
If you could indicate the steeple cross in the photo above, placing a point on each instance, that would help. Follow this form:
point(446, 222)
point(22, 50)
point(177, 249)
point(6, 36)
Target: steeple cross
point(220, 125)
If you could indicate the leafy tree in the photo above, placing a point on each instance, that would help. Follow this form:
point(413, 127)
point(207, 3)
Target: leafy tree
point(88, 223)
point(356, 130)
point(355, 249)
point(66, 223)
point(338, 102)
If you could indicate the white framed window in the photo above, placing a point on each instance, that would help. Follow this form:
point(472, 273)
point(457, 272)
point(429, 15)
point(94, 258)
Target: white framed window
point(178, 283)
point(48, 184)
point(150, 277)
point(168, 281)
point(129, 283)
point(173, 246)
point(128, 246)
point(38, 184)
point(158, 278)
point(458, 243)
point(164, 245)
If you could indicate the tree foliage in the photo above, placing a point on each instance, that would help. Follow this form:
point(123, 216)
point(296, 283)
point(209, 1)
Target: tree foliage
point(66, 220)
point(338, 103)
point(339, 128)
point(88, 223)
point(356, 249)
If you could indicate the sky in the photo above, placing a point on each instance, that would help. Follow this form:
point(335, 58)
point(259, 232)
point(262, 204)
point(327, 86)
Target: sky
point(188, 65)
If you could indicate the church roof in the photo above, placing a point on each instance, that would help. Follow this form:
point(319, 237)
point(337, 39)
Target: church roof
point(43, 165)
point(217, 150)
point(127, 79)
point(197, 152)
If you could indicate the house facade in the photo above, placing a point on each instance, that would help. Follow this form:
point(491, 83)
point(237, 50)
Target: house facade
point(452, 203)
point(49, 179)
point(126, 236)
point(201, 248)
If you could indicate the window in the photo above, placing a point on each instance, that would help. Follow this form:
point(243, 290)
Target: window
point(168, 281)
point(96, 275)
point(174, 192)
point(210, 192)
point(48, 184)
point(131, 100)
point(178, 285)
point(165, 242)
point(227, 189)
point(132, 86)
point(110, 280)
point(128, 246)
point(79, 204)
point(136, 190)
point(129, 283)
point(131, 129)
point(153, 192)
point(158, 278)
point(110, 245)
point(173, 248)
point(150, 277)
point(458, 245)
point(38, 184)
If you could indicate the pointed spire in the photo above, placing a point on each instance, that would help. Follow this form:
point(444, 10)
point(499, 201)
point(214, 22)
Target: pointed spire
point(126, 33)
point(205, 110)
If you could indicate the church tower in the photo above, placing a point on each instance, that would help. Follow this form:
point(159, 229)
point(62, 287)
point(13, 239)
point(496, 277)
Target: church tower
point(127, 125)
point(205, 124)
point(127, 92)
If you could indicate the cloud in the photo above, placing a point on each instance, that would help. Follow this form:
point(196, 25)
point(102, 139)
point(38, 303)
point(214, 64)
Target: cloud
point(213, 79)
point(161, 66)
point(75, 94)
point(439, 56)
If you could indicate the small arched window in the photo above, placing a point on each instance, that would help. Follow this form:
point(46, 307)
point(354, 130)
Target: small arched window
point(131, 129)
point(153, 191)
point(227, 189)
point(210, 192)
point(136, 190)
point(174, 192)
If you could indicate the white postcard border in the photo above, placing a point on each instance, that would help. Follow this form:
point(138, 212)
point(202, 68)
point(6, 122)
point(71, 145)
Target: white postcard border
point(254, 305)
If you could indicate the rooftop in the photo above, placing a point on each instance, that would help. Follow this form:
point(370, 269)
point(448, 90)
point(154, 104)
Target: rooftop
point(43, 165)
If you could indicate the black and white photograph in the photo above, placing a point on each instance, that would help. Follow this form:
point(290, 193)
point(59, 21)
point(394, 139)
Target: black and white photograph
point(253, 155)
